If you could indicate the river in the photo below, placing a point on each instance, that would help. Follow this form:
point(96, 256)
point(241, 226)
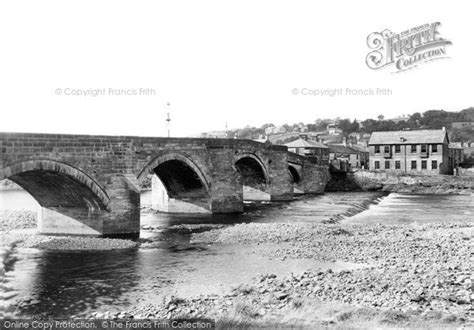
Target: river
point(59, 284)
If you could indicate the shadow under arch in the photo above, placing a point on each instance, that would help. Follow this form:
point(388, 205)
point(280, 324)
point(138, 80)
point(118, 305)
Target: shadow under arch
point(178, 184)
point(251, 160)
point(254, 176)
point(55, 184)
point(294, 175)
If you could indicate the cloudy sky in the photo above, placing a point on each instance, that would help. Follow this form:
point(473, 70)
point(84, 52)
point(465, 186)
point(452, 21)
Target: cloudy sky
point(238, 62)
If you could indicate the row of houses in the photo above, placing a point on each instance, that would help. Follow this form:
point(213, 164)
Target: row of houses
point(407, 151)
point(325, 154)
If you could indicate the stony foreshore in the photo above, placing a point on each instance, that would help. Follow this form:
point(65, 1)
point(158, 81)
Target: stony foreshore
point(411, 275)
point(17, 229)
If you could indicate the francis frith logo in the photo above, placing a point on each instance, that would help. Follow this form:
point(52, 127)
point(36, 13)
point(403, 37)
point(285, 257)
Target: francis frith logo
point(406, 50)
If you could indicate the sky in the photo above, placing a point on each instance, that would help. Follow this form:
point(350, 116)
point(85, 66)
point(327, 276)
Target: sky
point(217, 62)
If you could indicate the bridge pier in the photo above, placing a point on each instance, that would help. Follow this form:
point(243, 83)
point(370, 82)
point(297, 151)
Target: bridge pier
point(226, 189)
point(123, 218)
point(315, 180)
point(281, 185)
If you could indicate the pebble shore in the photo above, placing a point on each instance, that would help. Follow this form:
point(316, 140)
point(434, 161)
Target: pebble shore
point(408, 275)
point(412, 272)
point(17, 229)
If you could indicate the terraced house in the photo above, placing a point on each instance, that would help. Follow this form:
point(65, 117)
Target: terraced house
point(407, 151)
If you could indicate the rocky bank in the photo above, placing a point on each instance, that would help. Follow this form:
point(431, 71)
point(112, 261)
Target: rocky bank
point(17, 230)
point(390, 181)
point(413, 275)
point(409, 275)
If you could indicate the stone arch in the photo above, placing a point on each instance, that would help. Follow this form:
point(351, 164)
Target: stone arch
point(246, 163)
point(177, 172)
point(294, 174)
point(57, 184)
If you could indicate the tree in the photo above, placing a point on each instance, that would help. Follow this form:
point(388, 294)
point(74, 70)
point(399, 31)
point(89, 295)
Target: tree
point(264, 126)
point(466, 114)
point(414, 121)
point(312, 127)
point(354, 126)
point(345, 126)
point(369, 125)
point(322, 124)
point(380, 117)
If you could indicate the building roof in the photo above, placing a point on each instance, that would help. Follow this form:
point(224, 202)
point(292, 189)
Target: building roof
point(359, 147)
point(341, 149)
point(330, 139)
point(455, 146)
point(409, 137)
point(302, 143)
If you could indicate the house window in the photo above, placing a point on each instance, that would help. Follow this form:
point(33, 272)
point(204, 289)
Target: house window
point(397, 164)
point(387, 164)
point(377, 164)
point(434, 148)
point(434, 164)
point(377, 149)
point(386, 149)
point(413, 164)
point(424, 148)
point(413, 148)
point(423, 164)
point(397, 149)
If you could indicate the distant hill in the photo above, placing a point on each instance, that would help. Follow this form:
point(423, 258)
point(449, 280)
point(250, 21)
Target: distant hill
point(431, 119)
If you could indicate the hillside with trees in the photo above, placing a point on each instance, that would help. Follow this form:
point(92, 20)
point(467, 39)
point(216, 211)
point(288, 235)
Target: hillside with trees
point(431, 119)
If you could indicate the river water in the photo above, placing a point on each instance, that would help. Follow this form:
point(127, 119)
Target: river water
point(59, 284)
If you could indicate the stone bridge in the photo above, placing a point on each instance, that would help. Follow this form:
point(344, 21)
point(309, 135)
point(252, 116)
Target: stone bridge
point(90, 185)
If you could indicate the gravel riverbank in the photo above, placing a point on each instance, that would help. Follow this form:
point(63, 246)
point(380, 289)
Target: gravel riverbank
point(412, 273)
point(17, 230)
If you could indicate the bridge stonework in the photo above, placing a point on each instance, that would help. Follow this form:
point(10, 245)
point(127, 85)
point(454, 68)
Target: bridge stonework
point(311, 177)
point(90, 185)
